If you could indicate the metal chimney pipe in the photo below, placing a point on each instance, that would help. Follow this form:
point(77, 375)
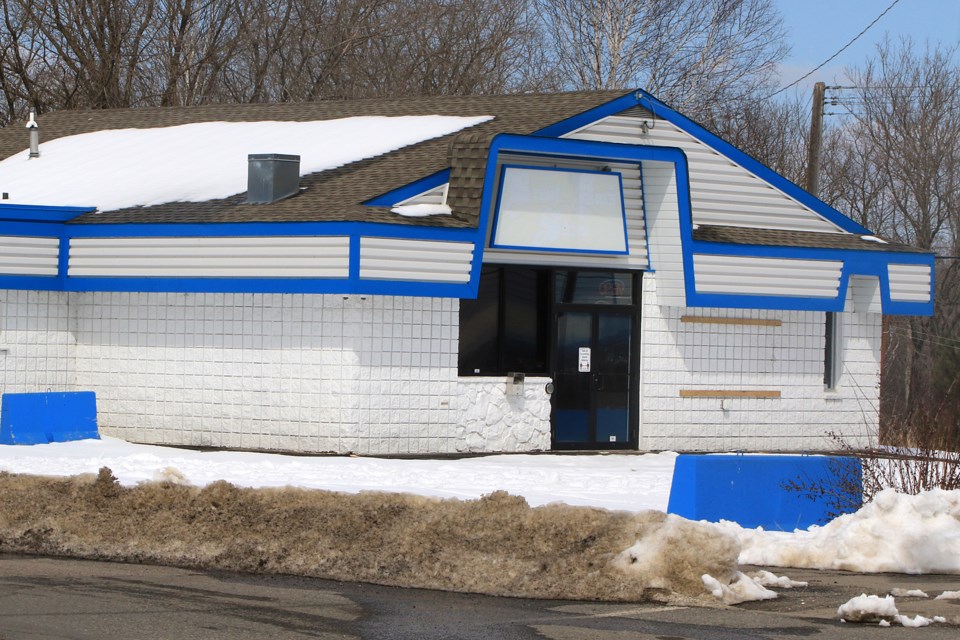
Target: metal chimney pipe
point(34, 129)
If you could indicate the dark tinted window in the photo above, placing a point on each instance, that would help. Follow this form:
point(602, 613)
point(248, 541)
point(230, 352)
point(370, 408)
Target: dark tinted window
point(505, 329)
point(479, 320)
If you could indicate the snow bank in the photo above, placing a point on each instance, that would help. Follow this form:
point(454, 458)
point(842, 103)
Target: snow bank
point(629, 483)
point(883, 611)
point(742, 588)
point(496, 545)
point(866, 608)
point(893, 533)
point(196, 162)
point(675, 555)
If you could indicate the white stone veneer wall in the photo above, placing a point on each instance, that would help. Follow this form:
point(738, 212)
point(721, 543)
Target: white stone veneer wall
point(788, 358)
point(492, 421)
point(307, 373)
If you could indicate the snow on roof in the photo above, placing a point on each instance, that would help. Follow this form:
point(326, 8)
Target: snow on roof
point(121, 168)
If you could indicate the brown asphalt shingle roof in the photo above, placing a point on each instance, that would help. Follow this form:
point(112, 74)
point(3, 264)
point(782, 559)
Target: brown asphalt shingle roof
point(809, 239)
point(337, 194)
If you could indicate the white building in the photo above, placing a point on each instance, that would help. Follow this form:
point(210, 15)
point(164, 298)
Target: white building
point(583, 270)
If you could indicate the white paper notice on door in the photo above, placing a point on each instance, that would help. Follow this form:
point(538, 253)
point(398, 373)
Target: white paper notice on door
point(583, 362)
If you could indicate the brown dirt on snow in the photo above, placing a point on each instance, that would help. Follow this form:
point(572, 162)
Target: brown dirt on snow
point(495, 545)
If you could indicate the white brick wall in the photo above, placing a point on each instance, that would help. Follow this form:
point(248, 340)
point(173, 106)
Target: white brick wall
point(36, 342)
point(378, 374)
point(788, 358)
point(307, 373)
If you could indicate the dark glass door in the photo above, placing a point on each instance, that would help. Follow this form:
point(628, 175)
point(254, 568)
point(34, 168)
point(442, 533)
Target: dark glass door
point(592, 380)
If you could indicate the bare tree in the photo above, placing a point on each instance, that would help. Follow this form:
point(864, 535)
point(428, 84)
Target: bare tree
point(190, 44)
point(691, 53)
point(897, 168)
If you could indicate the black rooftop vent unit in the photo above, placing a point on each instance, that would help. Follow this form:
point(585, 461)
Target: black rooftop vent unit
point(272, 177)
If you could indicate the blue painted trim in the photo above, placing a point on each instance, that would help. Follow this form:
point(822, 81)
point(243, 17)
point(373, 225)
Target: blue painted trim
point(30, 229)
point(646, 227)
point(749, 163)
point(392, 198)
point(39, 213)
point(244, 229)
point(556, 129)
point(351, 285)
point(590, 116)
point(63, 258)
point(579, 149)
point(354, 257)
point(855, 263)
point(496, 215)
point(344, 286)
point(35, 283)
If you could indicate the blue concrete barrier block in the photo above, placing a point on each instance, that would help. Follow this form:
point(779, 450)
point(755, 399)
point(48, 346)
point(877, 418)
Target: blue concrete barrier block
point(755, 490)
point(39, 418)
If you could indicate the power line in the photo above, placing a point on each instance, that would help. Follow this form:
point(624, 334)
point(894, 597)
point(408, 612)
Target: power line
point(841, 50)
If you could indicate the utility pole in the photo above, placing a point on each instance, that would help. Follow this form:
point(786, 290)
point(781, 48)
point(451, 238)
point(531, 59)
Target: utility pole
point(816, 138)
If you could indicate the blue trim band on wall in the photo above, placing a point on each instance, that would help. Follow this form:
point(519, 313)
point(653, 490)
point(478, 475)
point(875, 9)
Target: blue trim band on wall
point(243, 229)
point(579, 150)
point(32, 283)
point(40, 213)
point(496, 215)
point(749, 163)
point(351, 285)
point(346, 286)
point(392, 198)
point(855, 263)
point(590, 116)
point(31, 229)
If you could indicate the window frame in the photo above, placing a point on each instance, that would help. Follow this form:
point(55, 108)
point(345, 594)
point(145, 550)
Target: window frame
point(832, 350)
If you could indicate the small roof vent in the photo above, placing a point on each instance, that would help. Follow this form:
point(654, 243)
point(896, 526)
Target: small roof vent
point(272, 177)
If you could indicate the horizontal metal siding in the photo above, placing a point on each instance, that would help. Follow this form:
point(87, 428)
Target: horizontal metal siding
point(767, 276)
point(632, 205)
point(663, 216)
point(721, 191)
point(236, 257)
point(415, 260)
point(23, 256)
point(909, 282)
point(437, 195)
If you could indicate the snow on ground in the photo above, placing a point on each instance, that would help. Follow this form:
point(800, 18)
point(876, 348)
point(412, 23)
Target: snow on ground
point(893, 533)
point(196, 162)
point(620, 482)
point(883, 611)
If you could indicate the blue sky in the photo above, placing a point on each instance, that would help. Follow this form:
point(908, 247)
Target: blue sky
point(818, 28)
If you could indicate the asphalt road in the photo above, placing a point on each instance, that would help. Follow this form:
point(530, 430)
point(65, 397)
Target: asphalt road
point(46, 599)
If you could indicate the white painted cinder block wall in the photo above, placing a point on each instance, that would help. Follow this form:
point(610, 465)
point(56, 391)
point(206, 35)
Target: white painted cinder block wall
point(37, 346)
point(378, 374)
point(308, 373)
point(788, 358)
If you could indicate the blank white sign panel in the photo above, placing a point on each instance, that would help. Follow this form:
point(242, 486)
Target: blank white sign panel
point(559, 210)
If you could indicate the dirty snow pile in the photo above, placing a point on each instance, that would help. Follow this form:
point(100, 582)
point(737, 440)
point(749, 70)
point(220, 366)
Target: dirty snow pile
point(883, 611)
point(195, 162)
point(893, 533)
point(623, 483)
